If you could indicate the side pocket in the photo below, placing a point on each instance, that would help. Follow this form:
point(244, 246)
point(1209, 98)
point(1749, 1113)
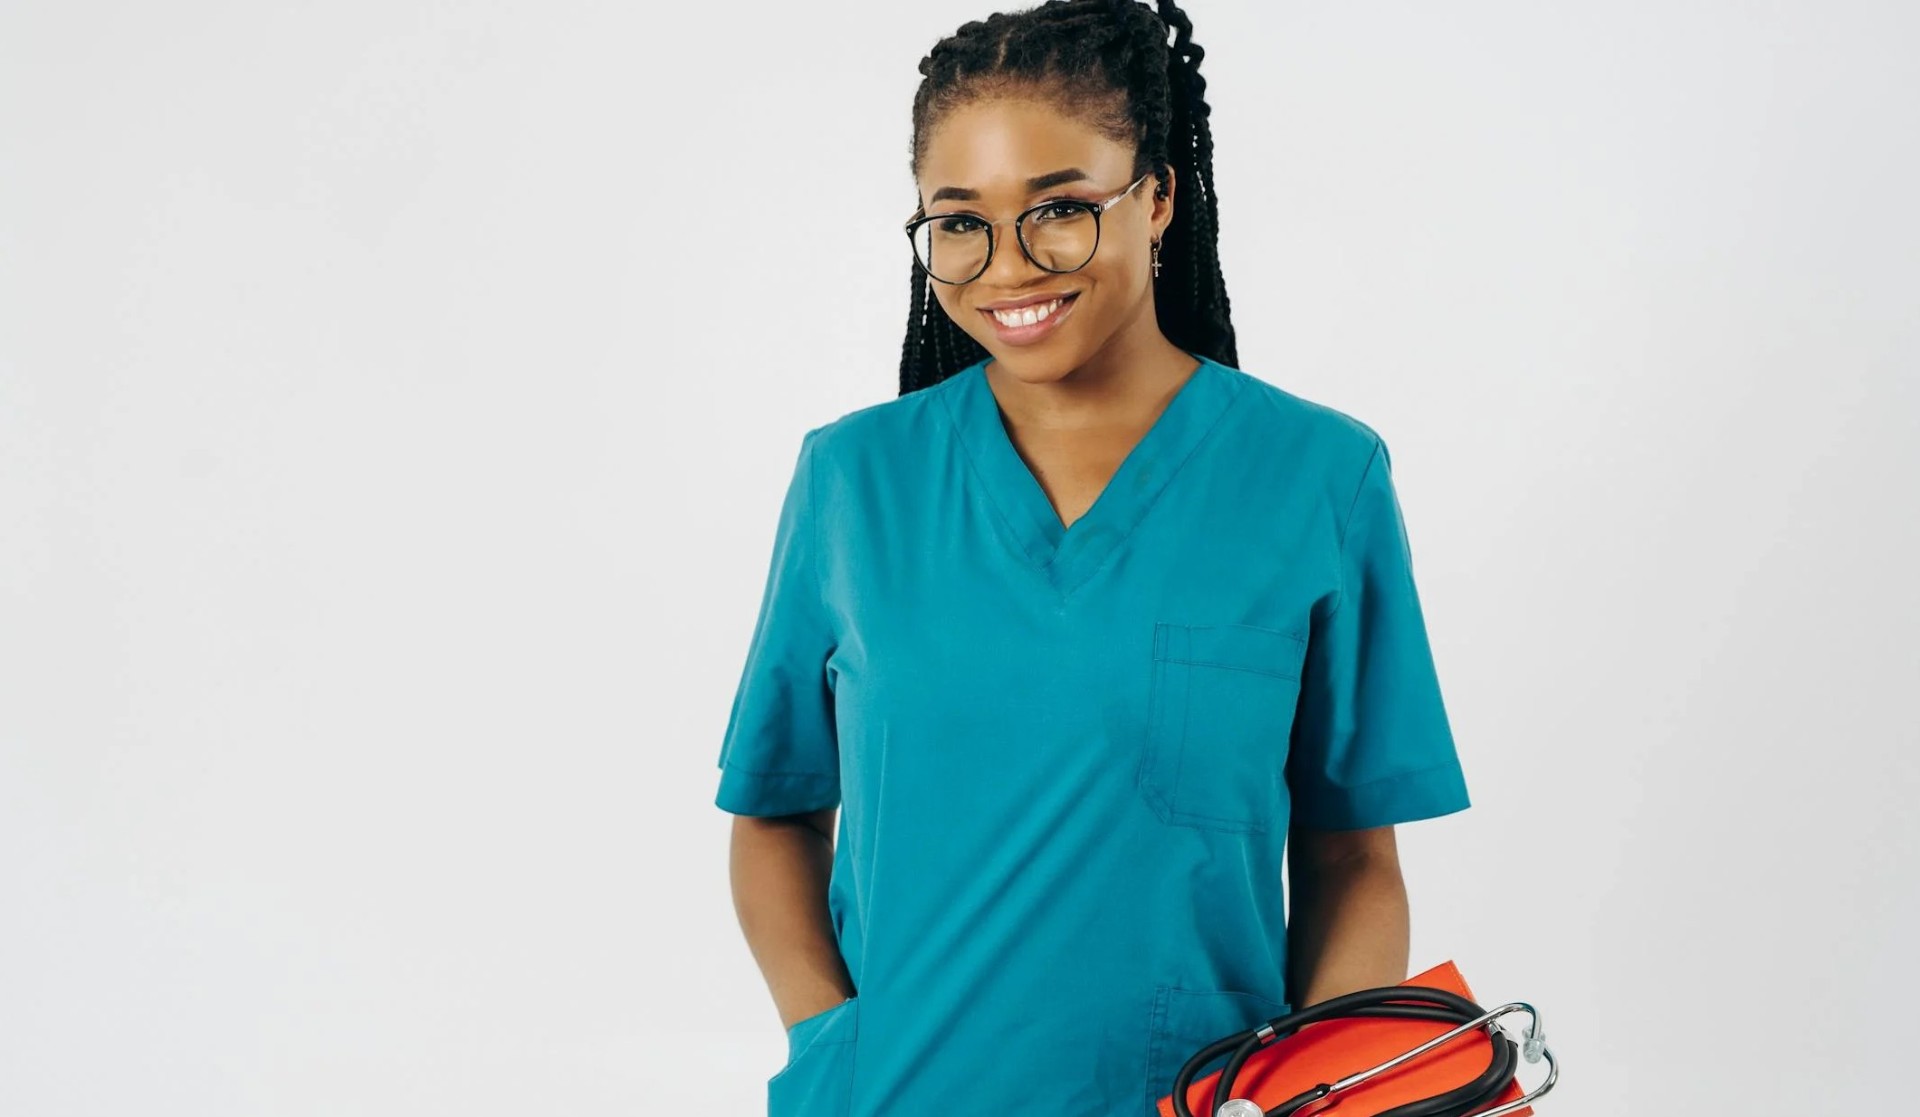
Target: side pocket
point(1219, 716)
point(817, 1080)
point(1186, 1020)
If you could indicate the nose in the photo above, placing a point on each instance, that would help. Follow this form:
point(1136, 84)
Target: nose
point(1010, 266)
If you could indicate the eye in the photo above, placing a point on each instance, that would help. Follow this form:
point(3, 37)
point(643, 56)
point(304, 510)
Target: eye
point(1060, 211)
point(957, 224)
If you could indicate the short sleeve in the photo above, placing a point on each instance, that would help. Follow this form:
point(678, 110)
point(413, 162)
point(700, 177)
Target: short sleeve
point(1371, 745)
point(780, 753)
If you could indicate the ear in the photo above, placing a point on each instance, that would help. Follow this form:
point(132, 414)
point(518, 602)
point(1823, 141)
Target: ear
point(1163, 203)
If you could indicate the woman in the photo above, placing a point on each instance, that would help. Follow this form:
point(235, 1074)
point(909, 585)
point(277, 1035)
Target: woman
point(1077, 633)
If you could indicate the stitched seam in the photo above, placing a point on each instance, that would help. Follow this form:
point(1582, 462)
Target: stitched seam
point(731, 767)
point(1113, 552)
point(815, 1043)
point(1348, 523)
point(1149, 753)
point(1156, 1023)
point(1230, 667)
point(1230, 993)
point(1158, 1026)
point(1186, 721)
point(1238, 825)
point(1397, 776)
point(813, 541)
point(979, 473)
point(1295, 636)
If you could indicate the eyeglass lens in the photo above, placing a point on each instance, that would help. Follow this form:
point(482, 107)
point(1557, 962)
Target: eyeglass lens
point(1059, 237)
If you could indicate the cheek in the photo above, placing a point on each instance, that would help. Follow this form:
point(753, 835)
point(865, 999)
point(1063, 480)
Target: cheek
point(1115, 284)
point(951, 305)
point(1127, 263)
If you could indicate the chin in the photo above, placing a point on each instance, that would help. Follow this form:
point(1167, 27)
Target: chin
point(1029, 365)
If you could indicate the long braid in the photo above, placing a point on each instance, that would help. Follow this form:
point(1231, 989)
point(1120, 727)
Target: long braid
point(1108, 62)
point(1210, 319)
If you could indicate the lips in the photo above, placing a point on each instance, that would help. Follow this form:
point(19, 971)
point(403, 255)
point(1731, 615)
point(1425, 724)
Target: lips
point(1035, 300)
point(1027, 335)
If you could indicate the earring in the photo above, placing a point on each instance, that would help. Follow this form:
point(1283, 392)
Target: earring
point(1156, 258)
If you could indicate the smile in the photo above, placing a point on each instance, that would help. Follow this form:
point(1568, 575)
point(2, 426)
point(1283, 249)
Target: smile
point(1025, 324)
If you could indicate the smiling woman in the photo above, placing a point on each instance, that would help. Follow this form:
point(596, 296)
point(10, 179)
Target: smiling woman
point(1022, 112)
point(1080, 633)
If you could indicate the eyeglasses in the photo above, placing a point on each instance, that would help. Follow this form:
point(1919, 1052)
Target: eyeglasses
point(957, 247)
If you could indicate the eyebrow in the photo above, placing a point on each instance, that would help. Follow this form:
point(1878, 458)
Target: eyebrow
point(1034, 185)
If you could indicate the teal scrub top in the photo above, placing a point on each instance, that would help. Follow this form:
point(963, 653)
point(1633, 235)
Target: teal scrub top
point(1066, 759)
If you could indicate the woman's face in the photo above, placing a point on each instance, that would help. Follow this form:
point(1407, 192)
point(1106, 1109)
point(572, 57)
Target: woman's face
point(980, 160)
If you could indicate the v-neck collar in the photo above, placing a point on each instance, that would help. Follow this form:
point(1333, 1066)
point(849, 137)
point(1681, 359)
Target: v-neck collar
point(1067, 555)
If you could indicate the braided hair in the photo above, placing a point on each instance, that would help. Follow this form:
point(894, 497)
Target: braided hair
point(1109, 62)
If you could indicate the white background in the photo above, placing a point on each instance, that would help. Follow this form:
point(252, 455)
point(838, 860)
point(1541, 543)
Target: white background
point(394, 417)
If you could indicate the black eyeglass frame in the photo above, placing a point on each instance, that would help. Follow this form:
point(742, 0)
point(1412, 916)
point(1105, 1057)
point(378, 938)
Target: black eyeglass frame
point(921, 217)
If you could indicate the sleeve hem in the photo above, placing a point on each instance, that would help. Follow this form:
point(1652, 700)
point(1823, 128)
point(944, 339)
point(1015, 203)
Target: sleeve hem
point(1408, 797)
point(767, 794)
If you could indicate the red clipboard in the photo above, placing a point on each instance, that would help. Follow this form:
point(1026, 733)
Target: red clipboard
point(1332, 1049)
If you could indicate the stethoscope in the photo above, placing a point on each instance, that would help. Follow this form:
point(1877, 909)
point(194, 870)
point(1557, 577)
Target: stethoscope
point(1440, 1005)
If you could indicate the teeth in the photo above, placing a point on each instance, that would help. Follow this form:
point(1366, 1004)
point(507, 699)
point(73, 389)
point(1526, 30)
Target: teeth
point(1027, 315)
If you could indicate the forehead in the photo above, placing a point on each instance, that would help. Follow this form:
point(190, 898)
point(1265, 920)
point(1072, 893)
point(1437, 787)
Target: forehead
point(994, 147)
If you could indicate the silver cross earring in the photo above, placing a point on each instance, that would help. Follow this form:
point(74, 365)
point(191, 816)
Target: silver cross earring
point(1156, 258)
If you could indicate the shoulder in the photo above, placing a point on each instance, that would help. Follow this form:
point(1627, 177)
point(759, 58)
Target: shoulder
point(882, 428)
point(1309, 431)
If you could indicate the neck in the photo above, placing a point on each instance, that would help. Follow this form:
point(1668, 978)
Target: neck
point(1131, 375)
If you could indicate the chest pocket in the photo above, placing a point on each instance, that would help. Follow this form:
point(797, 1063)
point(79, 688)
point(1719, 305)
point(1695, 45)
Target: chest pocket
point(1219, 711)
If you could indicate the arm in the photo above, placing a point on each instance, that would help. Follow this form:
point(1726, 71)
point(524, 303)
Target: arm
point(1349, 928)
point(779, 761)
point(1371, 747)
point(779, 868)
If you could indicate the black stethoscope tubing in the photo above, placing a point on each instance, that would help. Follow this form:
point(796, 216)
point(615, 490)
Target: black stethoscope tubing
point(1442, 1006)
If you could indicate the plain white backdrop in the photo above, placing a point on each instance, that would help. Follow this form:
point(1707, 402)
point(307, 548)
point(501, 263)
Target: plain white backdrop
point(396, 400)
